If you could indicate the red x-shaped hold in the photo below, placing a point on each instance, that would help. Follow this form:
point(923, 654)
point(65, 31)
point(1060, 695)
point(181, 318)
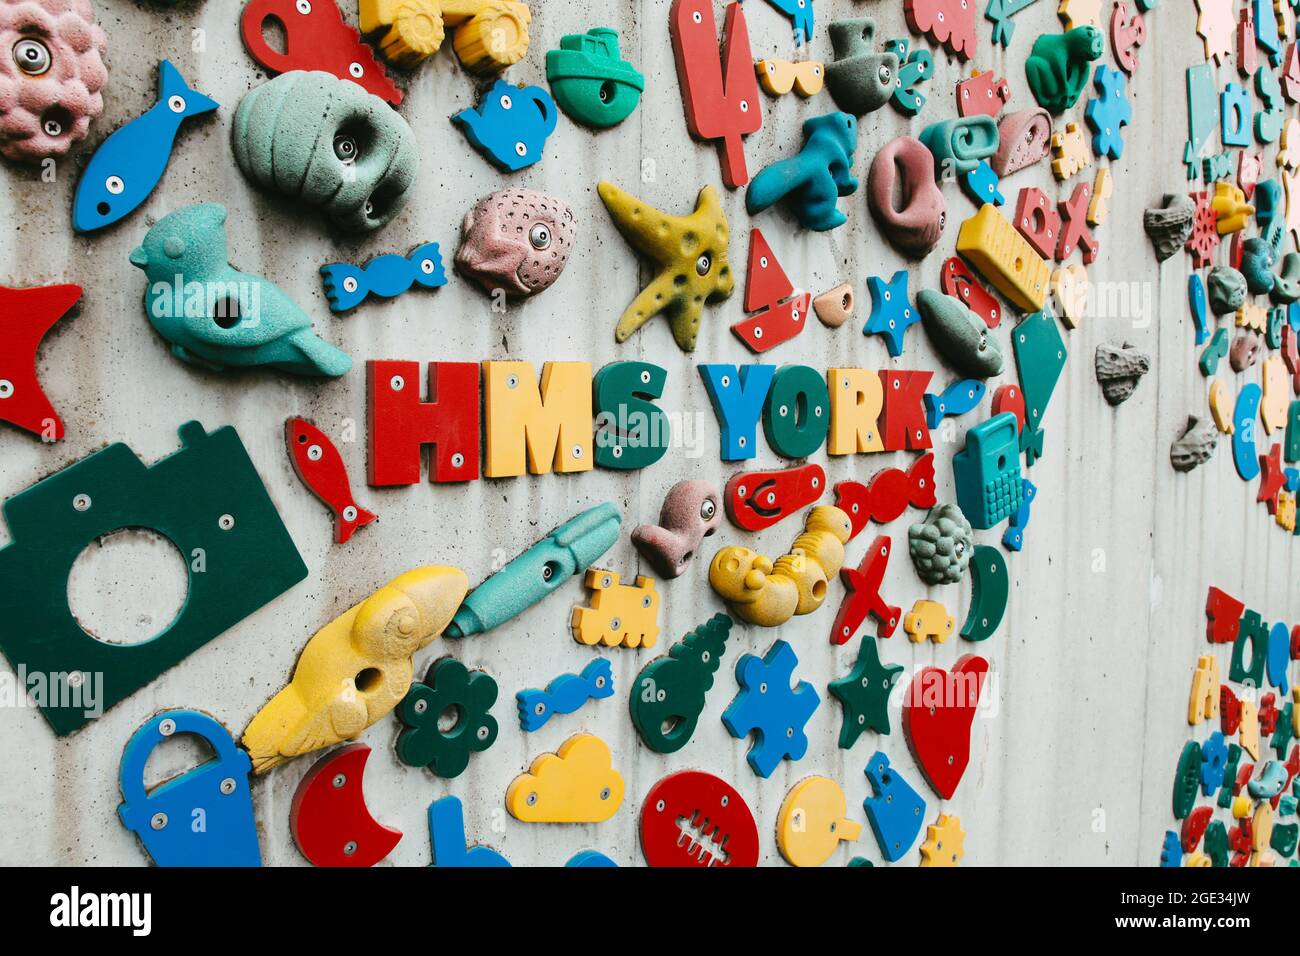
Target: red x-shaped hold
point(863, 595)
point(25, 316)
point(1272, 478)
point(1074, 225)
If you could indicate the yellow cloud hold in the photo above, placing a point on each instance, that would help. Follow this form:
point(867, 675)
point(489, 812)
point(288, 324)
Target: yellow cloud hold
point(576, 785)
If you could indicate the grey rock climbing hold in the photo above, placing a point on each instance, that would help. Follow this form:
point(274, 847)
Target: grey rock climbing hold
point(1195, 445)
point(941, 545)
point(1119, 370)
point(1227, 288)
point(1170, 224)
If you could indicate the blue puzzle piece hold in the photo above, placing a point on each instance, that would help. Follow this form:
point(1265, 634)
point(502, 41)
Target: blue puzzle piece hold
point(896, 812)
point(1108, 112)
point(768, 708)
point(800, 13)
point(892, 312)
point(1000, 13)
point(447, 834)
point(347, 286)
point(1214, 755)
point(511, 125)
point(127, 166)
point(914, 68)
point(217, 790)
point(1196, 297)
point(957, 399)
point(1171, 854)
point(587, 858)
point(1013, 539)
point(1279, 657)
point(981, 185)
point(565, 694)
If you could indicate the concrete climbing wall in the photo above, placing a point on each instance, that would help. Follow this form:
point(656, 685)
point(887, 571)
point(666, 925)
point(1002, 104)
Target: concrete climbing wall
point(1084, 712)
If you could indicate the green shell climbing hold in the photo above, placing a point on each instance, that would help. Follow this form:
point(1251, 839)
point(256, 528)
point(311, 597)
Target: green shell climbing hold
point(668, 695)
point(1058, 66)
point(591, 81)
point(865, 693)
point(449, 685)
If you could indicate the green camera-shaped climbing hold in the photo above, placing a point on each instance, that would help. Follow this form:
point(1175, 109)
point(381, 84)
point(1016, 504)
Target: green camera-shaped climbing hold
point(591, 81)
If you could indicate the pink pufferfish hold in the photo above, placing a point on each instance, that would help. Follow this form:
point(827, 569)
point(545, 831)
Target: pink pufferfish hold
point(517, 240)
point(51, 74)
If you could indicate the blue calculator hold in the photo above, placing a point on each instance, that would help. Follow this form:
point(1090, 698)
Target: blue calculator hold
point(987, 472)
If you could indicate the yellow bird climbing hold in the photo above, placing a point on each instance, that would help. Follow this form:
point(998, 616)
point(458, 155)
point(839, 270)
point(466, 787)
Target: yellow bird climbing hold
point(944, 842)
point(356, 668)
point(576, 785)
point(620, 614)
point(812, 822)
point(691, 252)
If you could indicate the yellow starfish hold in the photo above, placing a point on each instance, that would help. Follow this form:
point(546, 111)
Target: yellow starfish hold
point(691, 252)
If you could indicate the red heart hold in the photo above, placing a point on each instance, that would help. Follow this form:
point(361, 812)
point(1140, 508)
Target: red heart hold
point(937, 714)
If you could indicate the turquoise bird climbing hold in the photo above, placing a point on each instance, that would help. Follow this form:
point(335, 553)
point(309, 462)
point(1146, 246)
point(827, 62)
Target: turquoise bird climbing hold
point(511, 125)
point(217, 317)
point(812, 182)
point(127, 166)
point(591, 81)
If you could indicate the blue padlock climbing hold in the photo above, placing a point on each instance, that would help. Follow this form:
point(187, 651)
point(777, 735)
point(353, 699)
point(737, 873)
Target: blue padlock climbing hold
point(511, 125)
point(204, 817)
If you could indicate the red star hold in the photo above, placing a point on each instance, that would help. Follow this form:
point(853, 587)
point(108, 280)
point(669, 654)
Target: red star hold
point(1271, 477)
point(25, 316)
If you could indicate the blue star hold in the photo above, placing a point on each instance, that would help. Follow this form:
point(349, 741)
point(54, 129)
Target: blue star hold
point(1108, 112)
point(892, 312)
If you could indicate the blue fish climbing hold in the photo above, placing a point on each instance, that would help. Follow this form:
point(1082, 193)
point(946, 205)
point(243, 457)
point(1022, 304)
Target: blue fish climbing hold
point(892, 312)
point(215, 792)
point(215, 316)
point(982, 184)
point(767, 707)
point(957, 399)
point(347, 286)
point(1013, 539)
point(895, 812)
point(538, 572)
point(127, 166)
point(447, 834)
point(565, 694)
point(511, 125)
point(1244, 416)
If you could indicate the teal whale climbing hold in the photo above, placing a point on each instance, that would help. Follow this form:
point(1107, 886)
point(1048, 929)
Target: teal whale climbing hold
point(668, 695)
point(328, 143)
point(217, 317)
point(591, 81)
point(206, 499)
point(1058, 66)
point(812, 181)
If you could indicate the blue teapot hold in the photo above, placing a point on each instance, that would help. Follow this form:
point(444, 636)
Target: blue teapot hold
point(204, 817)
point(511, 125)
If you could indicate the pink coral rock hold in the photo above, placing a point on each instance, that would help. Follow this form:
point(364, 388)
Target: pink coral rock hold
point(51, 74)
point(903, 172)
point(517, 240)
point(691, 513)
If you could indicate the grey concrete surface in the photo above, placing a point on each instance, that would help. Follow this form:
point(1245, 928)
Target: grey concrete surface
point(1073, 758)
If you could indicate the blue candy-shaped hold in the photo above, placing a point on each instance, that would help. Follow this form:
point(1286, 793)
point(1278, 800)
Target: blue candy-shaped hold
point(565, 694)
point(511, 125)
point(127, 166)
point(347, 286)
